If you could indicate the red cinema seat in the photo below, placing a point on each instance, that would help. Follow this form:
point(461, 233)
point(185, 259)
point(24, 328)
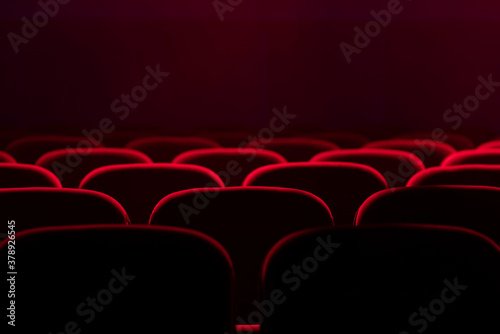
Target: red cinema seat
point(165, 149)
point(490, 156)
point(490, 144)
point(247, 221)
point(29, 149)
point(97, 279)
point(139, 187)
point(231, 164)
point(342, 185)
point(474, 175)
point(71, 166)
point(8, 136)
point(13, 175)
point(474, 207)
point(228, 138)
point(344, 140)
point(431, 152)
point(122, 138)
point(381, 279)
point(41, 207)
point(5, 157)
point(457, 141)
point(396, 166)
point(295, 149)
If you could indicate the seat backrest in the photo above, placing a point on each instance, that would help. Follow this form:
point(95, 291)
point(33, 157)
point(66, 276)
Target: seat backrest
point(490, 144)
point(474, 207)
point(344, 140)
point(5, 157)
point(458, 141)
point(71, 166)
point(431, 152)
point(139, 187)
point(231, 164)
point(473, 175)
point(295, 149)
point(489, 156)
point(41, 207)
point(93, 279)
point(228, 138)
point(342, 185)
point(247, 221)
point(29, 149)
point(382, 279)
point(165, 149)
point(396, 166)
point(14, 175)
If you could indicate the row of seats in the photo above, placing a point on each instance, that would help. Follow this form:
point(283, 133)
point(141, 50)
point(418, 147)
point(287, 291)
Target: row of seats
point(248, 221)
point(166, 148)
point(383, 159)
point(406, 279)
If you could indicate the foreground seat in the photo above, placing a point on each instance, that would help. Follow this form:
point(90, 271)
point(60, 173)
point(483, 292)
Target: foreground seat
point(431, 152)
point(247, 221)
point(139, 187)
point(231, 164)
point(473, 207)
point(396, 166)
point(71, 166)
point(41, 207)
point(374, 279)
point(342, 185)
point(102, 279)
point(165, 149)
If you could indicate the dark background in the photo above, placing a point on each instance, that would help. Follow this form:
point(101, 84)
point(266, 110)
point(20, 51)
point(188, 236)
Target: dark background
point(265, 54)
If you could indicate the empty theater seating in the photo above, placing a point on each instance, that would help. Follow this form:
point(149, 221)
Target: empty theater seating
point(479, 175)
point(458, 141)
point(29, 149)
point(97, 279)
point(40, 207)
point(342, 185)
point(431, 152)
point(341, 139)
point(138, 187)
point(71, 166)
point(24, 175)
point(396, 166)
point(489, 156)
point(474, 207)
point(295, 149)
point(247, 221)
point(5, 157)
point(165, 149)
point(228, 138)
point(384, 279)
point(231, 164)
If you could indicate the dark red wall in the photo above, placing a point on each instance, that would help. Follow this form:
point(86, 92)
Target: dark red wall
point(264, 54)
